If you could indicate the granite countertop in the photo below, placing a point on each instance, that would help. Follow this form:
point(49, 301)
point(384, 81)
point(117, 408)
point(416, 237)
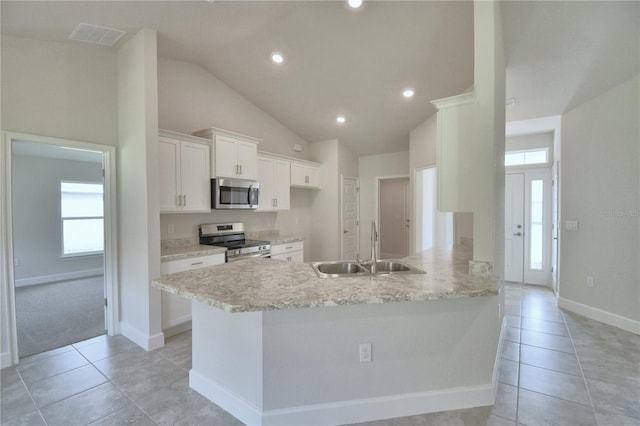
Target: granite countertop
point(285, 239)
point(268, 284)
point(174, 253)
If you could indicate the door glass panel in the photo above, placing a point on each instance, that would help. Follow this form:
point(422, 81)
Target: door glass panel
point(536, 233)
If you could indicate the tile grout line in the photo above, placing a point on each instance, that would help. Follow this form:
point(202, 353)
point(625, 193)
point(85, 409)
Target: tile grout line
point(584, 379)
point(31, 396)
point(135, 404)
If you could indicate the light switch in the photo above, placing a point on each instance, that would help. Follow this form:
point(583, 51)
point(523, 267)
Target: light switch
point(571, 225)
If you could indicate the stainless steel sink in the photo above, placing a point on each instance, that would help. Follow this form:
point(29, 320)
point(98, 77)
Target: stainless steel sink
point(338, 269)
point(354, 268)
point(388, 266)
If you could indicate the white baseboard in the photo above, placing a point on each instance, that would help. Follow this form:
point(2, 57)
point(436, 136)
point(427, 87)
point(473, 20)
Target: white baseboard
point(141, 339)
point(53, 278)
point(5, 360)
point(343, 412)
point(599, 315)
point(172, 330)
point(496, 364)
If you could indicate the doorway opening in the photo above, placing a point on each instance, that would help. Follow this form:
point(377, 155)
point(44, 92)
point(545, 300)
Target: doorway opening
point(349, 214)
point(433, 228)
point(394, 223)
point(59, 214)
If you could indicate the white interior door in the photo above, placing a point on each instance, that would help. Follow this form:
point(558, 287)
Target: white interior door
point(349, 244)
point(514, 228)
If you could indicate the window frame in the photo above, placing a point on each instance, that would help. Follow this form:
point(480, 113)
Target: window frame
point(64, 255)
point(545, 149)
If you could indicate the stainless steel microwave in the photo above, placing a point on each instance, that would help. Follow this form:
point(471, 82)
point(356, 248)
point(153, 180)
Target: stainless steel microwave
point(227, 193)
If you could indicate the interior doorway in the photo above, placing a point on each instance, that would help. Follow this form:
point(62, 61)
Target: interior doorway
point(59, 227)
point(528, 226)
point(433, 228)
point(350, 236)
point(394, 223)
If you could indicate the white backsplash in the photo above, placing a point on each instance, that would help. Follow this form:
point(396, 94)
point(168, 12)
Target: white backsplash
point(294, 222)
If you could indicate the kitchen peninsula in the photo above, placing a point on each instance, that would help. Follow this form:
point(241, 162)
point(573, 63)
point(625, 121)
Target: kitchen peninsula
point(275, 344)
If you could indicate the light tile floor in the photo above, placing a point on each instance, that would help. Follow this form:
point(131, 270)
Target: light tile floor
point(556, 368)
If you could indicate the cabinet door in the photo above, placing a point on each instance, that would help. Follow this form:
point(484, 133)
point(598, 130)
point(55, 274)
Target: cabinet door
point(298, 174)
point(296, 257)
point(282, 184)
point(247, 157)
point(313, 174)
point(195, 177)
point(169, 156)
point(176, 309)
point(265, 178)
point(226, 163)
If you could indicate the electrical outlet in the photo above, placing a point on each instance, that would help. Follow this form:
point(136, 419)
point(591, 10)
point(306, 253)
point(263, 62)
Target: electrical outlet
point(171, 229)
point(365, 352)
point(590, 282)
point(571, 225)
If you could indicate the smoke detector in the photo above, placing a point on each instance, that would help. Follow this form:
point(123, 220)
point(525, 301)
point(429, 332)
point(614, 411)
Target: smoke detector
point(96, 34)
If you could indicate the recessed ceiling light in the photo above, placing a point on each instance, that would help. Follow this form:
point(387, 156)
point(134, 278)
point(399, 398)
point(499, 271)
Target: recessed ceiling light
point(277, 58)
point(408, 93)
point(341, 119)
point(355, 3)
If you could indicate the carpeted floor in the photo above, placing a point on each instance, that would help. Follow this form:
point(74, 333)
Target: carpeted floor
point(52, 315)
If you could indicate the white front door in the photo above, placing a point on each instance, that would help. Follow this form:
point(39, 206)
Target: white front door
point(514, 228)
point(349, 246)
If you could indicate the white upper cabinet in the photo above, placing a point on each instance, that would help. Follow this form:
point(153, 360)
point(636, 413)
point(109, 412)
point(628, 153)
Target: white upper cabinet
point(305, 175)
point(184, 174)
point(233, 155)
point(456, 160)
point(274, 179)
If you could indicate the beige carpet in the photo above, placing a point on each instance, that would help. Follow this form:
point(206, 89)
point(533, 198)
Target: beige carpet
point(52, 315)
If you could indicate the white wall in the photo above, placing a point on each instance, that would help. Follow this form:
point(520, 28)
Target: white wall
point(138, 191)
point(190, 99)
point(37, 237)
point(63, 90)
point(325, 204)
point(531, 141)
point(599, 187)
point(370, 168)
point(489, 91)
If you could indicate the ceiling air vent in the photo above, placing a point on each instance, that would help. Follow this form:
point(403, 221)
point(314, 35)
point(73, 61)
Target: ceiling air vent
point(96, 34)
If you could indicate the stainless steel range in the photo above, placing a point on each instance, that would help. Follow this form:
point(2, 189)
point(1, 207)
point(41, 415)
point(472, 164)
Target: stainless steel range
point(231, 236)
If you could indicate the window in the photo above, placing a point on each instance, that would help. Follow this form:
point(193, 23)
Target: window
point(536, 232)
point(527, 157)
point(82, 214)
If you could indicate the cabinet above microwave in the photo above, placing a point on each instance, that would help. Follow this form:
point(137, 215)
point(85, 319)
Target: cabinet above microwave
point(233, 155)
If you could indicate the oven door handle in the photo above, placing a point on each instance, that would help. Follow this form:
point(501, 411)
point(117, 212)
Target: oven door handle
point(245, 256)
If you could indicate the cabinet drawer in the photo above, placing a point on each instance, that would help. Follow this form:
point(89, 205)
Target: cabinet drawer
point(180, 265)
point(285, 248)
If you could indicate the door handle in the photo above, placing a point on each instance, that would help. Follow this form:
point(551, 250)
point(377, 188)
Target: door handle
point(518, 234)
point(344, 231)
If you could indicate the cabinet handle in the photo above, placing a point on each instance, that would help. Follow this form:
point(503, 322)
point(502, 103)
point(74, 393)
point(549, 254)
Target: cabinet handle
point(240, 168)
point(276, 202)
point(178, 200)
point(237, 169)
point(184, 200)
point(197, 263)
point(306, 179)
point(289, 248)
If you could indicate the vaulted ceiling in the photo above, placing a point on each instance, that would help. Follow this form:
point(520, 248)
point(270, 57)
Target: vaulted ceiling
point(357, 62)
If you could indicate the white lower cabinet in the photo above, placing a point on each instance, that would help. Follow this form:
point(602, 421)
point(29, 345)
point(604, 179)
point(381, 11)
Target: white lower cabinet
point(293, 252)
point(176, 310)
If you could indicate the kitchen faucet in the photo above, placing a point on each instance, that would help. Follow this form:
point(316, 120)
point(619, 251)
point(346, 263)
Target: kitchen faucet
point(374, 238)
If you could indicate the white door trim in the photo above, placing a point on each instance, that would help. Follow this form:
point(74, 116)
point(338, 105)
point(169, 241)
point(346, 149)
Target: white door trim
point(342, 179)
point(6, 234)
